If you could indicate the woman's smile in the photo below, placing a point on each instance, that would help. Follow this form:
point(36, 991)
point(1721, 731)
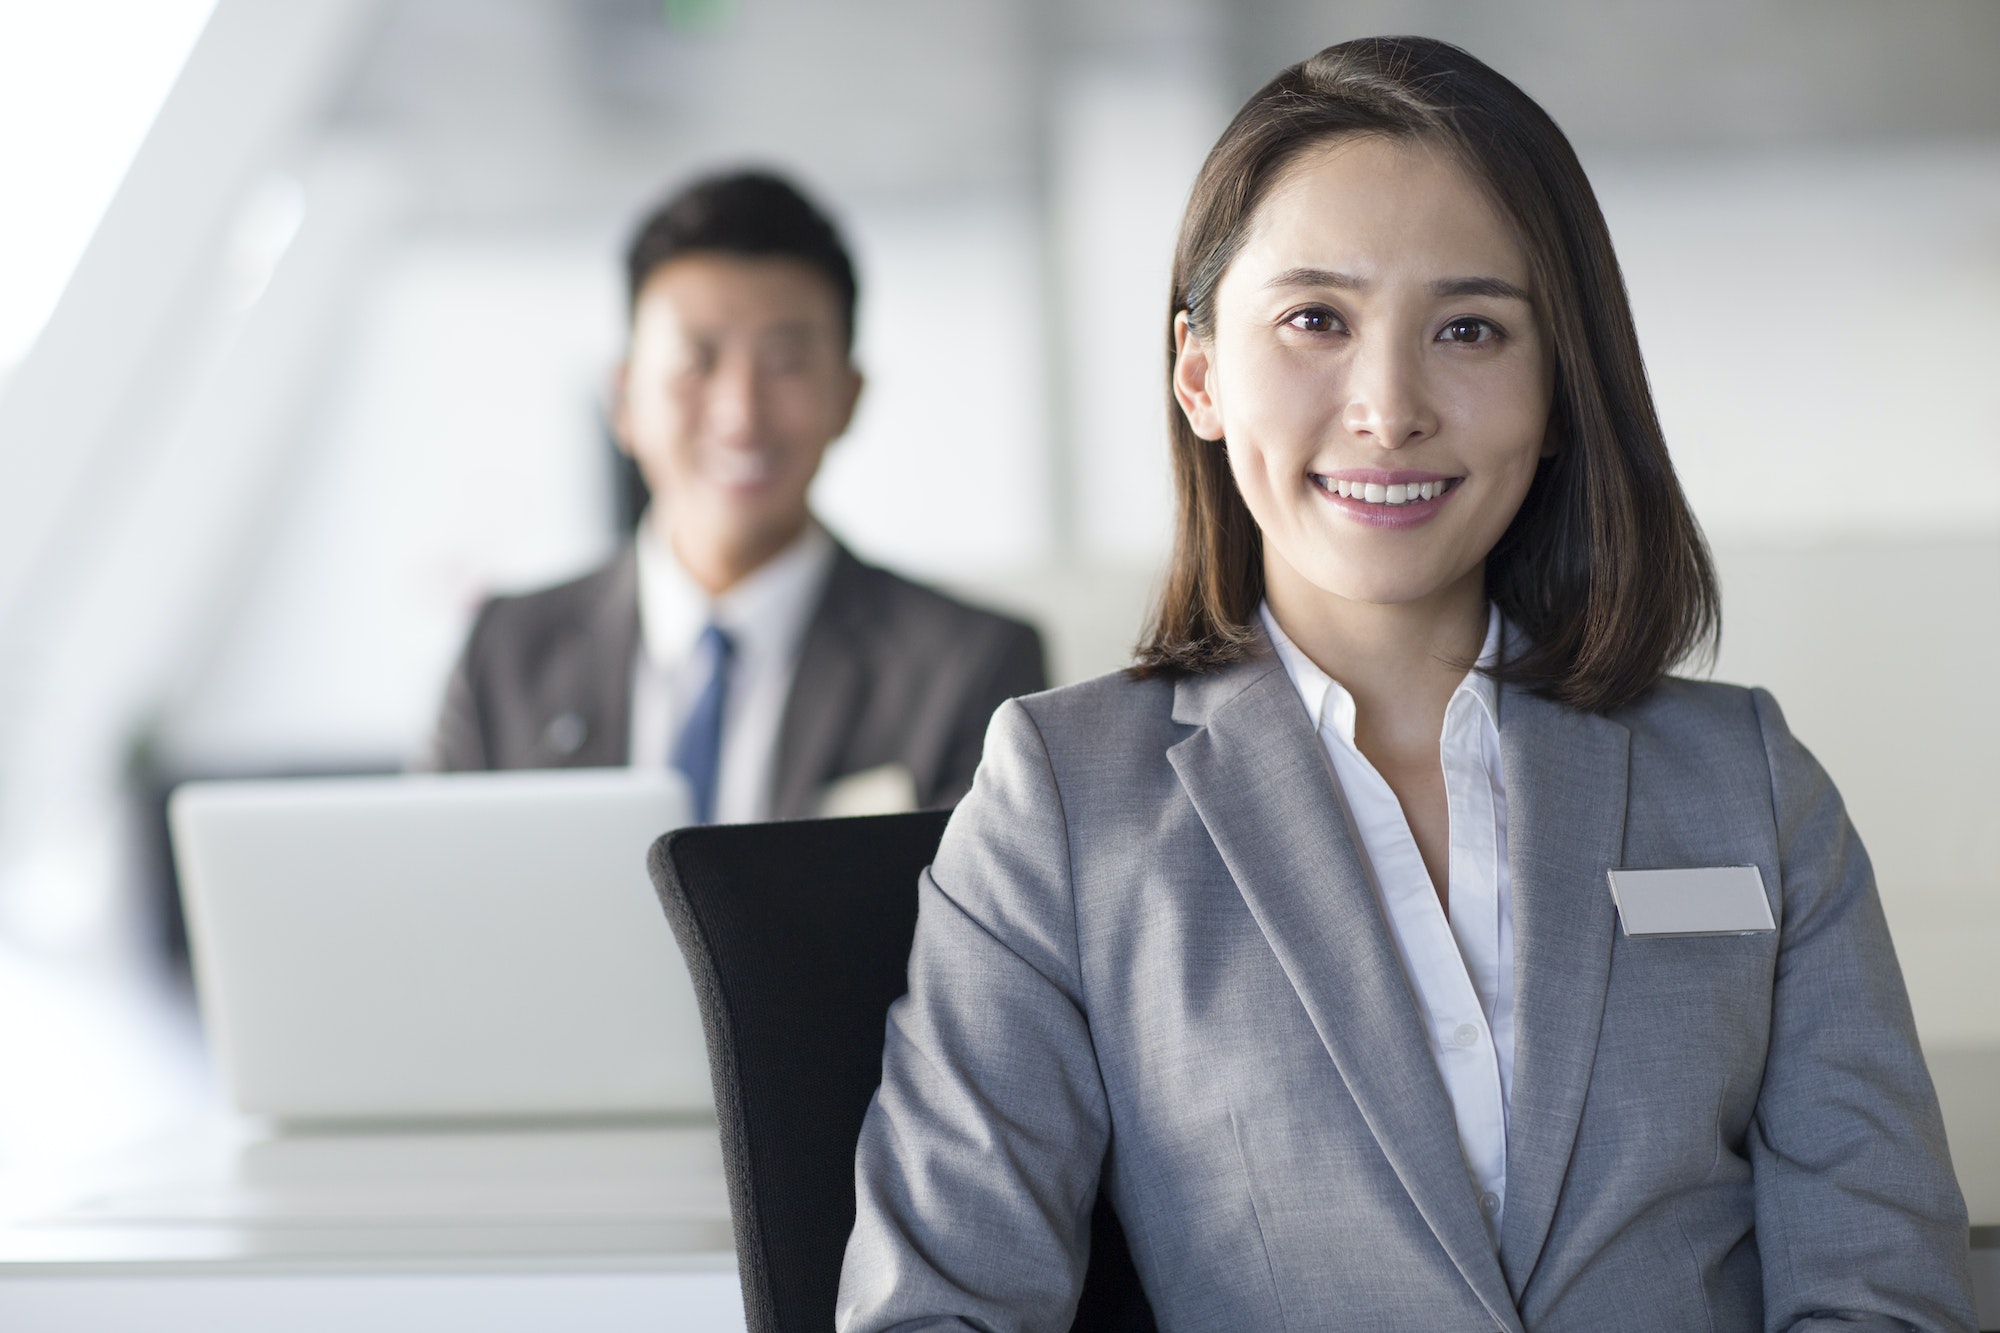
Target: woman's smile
point(1385, 499)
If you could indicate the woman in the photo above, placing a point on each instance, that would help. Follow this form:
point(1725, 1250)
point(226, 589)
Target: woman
point(1296, 940)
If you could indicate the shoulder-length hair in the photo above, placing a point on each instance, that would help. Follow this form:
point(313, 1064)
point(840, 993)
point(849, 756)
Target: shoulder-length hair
point(1603, 569)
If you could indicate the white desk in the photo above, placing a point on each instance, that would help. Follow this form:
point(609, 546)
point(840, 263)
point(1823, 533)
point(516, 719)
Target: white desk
point(230, 1226)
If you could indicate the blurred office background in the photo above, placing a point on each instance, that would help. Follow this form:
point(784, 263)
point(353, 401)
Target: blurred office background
point(307, 309)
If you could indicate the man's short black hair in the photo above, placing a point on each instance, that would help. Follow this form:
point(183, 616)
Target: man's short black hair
point(750, 213)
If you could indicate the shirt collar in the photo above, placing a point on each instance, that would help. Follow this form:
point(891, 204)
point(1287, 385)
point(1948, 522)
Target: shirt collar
point(1328, 702)
point(765, 614)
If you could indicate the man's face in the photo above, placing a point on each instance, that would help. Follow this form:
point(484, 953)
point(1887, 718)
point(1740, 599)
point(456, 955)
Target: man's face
point(736, 381)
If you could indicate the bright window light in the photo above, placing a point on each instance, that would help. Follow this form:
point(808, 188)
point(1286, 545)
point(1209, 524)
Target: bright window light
point(80, 84)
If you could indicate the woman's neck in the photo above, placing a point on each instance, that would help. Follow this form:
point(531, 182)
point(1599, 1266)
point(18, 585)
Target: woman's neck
point(1400, 661)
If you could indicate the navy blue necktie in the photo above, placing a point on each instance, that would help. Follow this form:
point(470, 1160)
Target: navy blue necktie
point(698, 752)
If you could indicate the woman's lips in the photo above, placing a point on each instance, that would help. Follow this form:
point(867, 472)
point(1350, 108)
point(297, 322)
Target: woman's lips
point(1387, 499)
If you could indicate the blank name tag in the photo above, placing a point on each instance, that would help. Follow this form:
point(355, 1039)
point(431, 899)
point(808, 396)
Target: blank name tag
point(1704, 900)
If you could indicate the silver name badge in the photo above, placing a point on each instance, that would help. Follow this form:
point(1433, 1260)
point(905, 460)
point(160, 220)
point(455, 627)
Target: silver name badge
point(1700, 900)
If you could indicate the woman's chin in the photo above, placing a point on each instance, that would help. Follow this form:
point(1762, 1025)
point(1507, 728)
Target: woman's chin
point(1396, 587)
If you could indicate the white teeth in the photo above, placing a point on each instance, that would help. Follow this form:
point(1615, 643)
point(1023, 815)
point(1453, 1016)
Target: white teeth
point(1371, 493)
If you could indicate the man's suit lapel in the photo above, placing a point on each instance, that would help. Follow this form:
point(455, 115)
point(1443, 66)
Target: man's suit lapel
point(1566, 777)
point(586, 695)
point(820, 711)
point(1262, 786)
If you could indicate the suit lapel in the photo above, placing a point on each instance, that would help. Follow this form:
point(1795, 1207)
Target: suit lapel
point(618, 629)
point(584, 701)
point(827, 686)
point(1566, 790)
point(1262, 786)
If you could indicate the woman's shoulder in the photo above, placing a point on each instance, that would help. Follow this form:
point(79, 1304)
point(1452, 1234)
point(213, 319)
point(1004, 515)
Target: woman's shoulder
point(1114, 703)
point(1682, 703)
point(1116, 722)
point(1710, 718)
point(1087, 754)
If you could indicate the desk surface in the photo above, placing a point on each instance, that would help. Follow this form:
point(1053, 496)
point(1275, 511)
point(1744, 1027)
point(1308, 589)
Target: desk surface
point(230, 1196)
point(234, 1199)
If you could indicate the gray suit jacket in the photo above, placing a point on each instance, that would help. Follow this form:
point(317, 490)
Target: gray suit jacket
point(889, 672)
point(1148, 951)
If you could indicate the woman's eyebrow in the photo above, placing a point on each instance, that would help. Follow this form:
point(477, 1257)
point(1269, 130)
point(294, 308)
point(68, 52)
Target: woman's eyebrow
point(1499, 287)
point(1326, 277)
point(1317, 277)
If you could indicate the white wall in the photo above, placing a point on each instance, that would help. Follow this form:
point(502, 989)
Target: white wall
point(1130, 139)
point(458, 455)
point(947, 469)
point(1814, 322)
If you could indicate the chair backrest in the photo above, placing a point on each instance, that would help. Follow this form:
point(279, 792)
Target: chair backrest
point(797, 936)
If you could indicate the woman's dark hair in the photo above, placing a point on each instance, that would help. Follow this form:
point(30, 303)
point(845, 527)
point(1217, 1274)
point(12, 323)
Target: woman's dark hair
point(1603, 568)
point(752, 213)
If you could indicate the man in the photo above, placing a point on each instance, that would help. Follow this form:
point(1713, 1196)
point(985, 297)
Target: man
point(734, 638)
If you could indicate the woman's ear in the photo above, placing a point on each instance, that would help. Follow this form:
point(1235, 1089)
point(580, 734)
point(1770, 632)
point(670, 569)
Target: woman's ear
point(1194, 380)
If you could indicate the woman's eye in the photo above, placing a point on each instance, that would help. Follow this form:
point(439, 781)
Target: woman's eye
point(1317, 319)
point(1468, 330)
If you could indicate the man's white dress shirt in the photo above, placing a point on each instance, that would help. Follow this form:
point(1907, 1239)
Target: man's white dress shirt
point(1461, 969)
point(765, 617)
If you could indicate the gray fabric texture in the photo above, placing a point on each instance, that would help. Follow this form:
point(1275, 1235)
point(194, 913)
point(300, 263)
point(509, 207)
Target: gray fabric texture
point(890, 672)
point(1147, 950)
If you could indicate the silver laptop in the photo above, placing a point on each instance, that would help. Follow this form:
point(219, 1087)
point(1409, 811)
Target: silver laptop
point(439, 946)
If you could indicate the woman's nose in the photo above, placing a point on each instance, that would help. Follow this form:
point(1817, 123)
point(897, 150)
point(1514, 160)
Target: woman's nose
point(1387, 405)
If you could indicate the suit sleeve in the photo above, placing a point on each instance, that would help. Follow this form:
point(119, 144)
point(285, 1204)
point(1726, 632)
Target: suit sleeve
point(979, 1158)
point(1012, 668)
point(1860, 1224)
point(458, 741)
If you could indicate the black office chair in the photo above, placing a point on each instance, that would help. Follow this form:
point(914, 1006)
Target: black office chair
point(797, 936)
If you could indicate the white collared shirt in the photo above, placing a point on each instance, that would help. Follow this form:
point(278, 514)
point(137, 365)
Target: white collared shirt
point(1462, 969)
point(765, 616)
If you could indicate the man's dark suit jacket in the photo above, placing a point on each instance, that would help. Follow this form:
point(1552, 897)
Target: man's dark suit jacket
point(889, 673)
